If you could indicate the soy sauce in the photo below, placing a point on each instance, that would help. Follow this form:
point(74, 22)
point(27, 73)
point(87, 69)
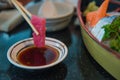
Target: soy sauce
point(34, 56)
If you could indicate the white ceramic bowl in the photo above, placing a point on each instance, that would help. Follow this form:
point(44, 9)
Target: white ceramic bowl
point(65, 13)
point(14, 50)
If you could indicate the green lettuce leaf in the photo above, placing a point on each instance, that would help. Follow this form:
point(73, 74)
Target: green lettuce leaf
point(112, 33)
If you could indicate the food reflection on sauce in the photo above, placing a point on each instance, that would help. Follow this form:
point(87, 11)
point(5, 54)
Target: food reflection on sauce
point(34, 56)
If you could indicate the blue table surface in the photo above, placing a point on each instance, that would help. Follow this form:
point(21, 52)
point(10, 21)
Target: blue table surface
point(78, 65)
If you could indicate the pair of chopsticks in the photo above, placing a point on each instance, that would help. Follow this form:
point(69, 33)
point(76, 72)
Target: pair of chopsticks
point(24, 13)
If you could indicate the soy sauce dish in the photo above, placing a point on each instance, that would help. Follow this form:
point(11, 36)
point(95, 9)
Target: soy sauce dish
point(24, 54)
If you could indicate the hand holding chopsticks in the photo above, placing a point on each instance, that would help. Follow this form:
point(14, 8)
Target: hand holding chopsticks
point(24, 13)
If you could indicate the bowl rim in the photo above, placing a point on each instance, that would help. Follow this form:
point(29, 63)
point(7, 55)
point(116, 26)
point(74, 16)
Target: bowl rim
point(82, 24)
point(37, 67)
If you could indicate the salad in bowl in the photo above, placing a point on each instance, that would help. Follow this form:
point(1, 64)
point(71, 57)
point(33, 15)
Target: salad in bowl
point(100, 28)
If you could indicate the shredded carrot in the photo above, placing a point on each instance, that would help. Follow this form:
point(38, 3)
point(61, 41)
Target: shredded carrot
point(93, 17)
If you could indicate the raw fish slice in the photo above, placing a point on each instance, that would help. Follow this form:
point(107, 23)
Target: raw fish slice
point(98, 31)
point(40, 25)
point(93, 17)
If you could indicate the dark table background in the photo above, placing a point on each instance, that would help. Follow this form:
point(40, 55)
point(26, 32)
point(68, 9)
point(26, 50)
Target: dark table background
point(78, 65)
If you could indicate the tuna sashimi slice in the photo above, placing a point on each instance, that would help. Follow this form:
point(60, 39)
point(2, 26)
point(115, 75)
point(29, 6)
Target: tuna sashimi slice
point(40, 25)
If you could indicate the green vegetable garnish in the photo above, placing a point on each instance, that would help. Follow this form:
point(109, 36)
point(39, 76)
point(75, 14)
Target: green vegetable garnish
point(112, 33)
point(91, 7)
point(115, 44)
